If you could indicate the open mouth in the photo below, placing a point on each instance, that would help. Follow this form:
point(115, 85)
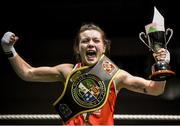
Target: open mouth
point(91, 54)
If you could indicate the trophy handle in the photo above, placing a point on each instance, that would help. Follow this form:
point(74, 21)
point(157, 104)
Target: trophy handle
point(168, 30)
point(142, 34)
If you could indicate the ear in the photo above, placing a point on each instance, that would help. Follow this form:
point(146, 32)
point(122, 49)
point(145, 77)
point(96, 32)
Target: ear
point(104, 49)
point(77, 50)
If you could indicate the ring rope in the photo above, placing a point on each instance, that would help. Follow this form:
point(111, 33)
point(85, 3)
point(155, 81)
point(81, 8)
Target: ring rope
point(146, 117)
point(57, 117)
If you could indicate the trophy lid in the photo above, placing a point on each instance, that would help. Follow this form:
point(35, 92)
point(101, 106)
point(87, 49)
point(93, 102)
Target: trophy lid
point(157, 23)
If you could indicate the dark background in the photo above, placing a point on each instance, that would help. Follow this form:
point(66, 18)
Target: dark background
point(46, 31)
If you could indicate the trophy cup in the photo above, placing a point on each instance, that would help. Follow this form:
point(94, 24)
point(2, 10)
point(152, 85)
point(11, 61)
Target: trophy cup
point(157, 37)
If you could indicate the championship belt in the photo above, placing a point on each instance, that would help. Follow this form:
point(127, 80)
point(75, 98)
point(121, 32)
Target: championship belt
point(86, 89)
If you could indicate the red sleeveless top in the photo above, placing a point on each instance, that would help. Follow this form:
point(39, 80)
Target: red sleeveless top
point(103, 116)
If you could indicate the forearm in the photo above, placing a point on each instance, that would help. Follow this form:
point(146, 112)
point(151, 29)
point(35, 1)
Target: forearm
point(21, 67)
point(148, 87)
point(36, 74)
point(156, 87)
point(141, 85)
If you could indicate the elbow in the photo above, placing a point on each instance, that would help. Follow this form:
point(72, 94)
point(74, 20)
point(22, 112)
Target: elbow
point(24, 78)
point(26, 75)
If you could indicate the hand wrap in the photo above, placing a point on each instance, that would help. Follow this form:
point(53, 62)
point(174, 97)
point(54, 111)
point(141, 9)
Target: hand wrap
point(7, 46)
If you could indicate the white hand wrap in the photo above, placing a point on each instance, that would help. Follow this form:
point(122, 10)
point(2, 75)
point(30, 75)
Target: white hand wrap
point(7, 47)
point(167, 58)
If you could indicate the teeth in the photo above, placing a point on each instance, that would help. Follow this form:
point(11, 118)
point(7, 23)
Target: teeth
point(91, 53)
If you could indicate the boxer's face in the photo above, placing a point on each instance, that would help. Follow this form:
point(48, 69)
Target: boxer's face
point(91, 47)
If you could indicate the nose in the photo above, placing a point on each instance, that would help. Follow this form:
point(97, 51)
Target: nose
point(91, 43)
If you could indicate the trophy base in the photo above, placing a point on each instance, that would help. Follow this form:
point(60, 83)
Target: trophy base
point(162, 75)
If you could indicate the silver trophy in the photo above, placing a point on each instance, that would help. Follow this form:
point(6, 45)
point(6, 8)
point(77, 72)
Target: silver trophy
point(157, 37)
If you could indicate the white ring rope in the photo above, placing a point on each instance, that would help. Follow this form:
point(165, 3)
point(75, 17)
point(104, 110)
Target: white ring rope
point(147, 117)
point(57, 117)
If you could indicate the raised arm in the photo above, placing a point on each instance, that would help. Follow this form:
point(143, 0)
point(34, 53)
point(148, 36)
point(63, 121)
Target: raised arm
point(139, 84)
point(26, 71)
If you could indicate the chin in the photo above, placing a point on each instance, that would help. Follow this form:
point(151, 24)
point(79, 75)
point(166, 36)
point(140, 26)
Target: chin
point(92, 62)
